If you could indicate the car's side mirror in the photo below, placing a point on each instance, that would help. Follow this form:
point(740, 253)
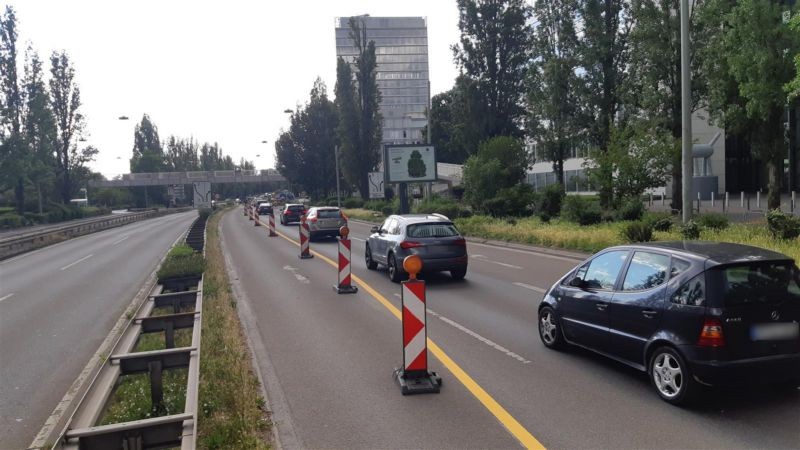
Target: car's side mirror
point(577, 282)
point(374, 230)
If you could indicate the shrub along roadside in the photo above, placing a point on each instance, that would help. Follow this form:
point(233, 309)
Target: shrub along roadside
point(592, 238)
point(181, 261)
point(231, 408)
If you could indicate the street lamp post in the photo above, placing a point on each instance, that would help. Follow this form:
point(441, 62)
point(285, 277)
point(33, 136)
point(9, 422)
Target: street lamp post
point(686, 116)
point(338, 194)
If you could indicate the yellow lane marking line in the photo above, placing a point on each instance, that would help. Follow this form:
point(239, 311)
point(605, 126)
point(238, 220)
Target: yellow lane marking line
point(505, 418)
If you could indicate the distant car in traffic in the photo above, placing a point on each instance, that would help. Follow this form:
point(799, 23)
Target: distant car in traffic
point(690, 314)
point(325, 221)
point(292, 212)
point(265, 209)
point(431, 236)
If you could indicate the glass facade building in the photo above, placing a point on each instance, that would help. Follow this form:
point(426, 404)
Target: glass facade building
point(401, 47)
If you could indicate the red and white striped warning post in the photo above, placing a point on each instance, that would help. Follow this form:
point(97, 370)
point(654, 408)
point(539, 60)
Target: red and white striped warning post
point(245, 209)
point(250, 212)
point(344, 285)
point(272, 232)
point(305, 237)
point(256, 217)
point(414, 377)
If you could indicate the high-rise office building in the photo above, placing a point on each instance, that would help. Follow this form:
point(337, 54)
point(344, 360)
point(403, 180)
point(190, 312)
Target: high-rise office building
point(401, 47)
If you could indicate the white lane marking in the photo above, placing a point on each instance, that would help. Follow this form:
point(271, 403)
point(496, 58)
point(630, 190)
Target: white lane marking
point(117, 242)
point(78, 261)
point(358, 239)
point(6, 296)
point(484, 259)
point(299, 277)
point(528, 286)
point(528, 252)
point(477, 336)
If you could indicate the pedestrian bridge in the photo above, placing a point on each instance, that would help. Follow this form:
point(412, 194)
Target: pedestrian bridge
point(170, 178)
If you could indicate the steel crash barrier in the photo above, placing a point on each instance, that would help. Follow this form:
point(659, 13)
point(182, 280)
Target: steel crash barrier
point(25, 242)
point(82, 430)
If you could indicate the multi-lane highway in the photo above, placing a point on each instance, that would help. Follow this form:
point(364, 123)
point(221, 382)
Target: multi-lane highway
point(58, 304)
point(327, 360)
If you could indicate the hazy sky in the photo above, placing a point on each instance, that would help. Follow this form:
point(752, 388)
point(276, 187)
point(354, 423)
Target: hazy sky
point(218, 71)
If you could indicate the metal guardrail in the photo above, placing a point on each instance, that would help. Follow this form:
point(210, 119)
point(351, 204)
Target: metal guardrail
point(24, 242)
point(177, 430)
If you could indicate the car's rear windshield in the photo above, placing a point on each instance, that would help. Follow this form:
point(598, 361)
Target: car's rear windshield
point(328, 213)
point(431, 230)
point(754, 283)
point(297, 208)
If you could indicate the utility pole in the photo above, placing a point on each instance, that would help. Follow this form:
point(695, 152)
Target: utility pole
point(338, 195)
point(686, 116)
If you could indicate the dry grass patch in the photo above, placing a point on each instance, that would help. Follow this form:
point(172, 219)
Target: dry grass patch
point(232, 411)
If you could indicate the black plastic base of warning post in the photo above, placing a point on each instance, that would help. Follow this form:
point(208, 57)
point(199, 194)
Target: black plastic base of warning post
point(428, 382)
point(306, 256)
point(256, 224)
point(345, 289)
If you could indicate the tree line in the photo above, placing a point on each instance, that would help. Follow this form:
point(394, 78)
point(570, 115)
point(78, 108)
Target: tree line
point(603, 77)
point(42, 150)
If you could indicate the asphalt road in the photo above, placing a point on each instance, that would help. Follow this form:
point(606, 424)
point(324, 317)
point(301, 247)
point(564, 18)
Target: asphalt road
point(327, 360)
point(57, 304)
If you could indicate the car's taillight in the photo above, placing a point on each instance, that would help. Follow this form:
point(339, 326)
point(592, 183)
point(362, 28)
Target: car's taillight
point(460, 242)
point(405, 245)
point(711, 334)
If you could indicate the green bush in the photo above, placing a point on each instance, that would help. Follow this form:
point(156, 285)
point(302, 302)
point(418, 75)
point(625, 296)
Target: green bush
point(464, 212)
point(204, 213)
point(387, 210)
point(352, 202)
point(181, 265)
point(782, 225)
point(515, 201)
point(581, 211)
point(375, 205)
point(715, 221)
point(690, 230)
point(11, 221)
point(661, 221)
point(639, 231)
point(180, 250)
point(631, 210)
point(550, 200)
point(439, 205)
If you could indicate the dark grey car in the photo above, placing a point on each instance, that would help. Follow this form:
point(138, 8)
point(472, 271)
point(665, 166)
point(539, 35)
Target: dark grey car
point(431, 236)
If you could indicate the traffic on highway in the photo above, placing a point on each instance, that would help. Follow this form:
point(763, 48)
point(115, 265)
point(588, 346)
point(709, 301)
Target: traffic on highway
point(670, 321)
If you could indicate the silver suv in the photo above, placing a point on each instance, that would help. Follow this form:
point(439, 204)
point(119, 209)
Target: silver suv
point(325, 221)
point(431, 236)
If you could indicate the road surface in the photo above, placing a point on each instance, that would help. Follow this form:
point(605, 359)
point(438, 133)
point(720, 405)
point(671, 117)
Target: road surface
point(57, 304)
point(327, 361)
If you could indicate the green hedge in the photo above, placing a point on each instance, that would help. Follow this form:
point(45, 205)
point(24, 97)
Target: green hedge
point(181, 261)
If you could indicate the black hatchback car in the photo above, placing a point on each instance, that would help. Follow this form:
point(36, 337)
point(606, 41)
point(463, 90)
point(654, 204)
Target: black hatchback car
point(688, 313)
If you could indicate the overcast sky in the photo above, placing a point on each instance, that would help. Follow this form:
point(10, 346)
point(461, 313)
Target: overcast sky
point(218, 71)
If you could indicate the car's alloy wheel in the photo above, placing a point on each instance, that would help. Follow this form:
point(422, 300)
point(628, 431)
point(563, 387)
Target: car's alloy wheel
point(549, 331)
point(670, 376)
point(394, 273)
point(371, 264)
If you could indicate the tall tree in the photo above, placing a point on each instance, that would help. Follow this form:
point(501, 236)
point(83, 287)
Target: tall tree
point(494, 51)
point(40, 127)
point(604, 56)
point(357, 102)
point(457, 121)
point(14, 159)
point(793, 87)
point(747, 62)
point(65, 101)
point(553, 95)
point(148, 154)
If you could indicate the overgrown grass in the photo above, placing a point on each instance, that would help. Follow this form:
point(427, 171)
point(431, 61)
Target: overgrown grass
point(181, 265)
point(156, 341)
point(363, 214)
point(232, 414)
point(131, 399)
point(592, 238)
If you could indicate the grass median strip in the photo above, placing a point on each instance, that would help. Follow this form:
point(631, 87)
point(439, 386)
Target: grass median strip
point(232, 411)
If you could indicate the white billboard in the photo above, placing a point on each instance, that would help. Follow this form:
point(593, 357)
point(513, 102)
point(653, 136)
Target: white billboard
point(376, 185)
point(409, 163)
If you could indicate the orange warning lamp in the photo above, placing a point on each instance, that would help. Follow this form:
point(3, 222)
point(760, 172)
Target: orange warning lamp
point(412, 264)
point(344, 231)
